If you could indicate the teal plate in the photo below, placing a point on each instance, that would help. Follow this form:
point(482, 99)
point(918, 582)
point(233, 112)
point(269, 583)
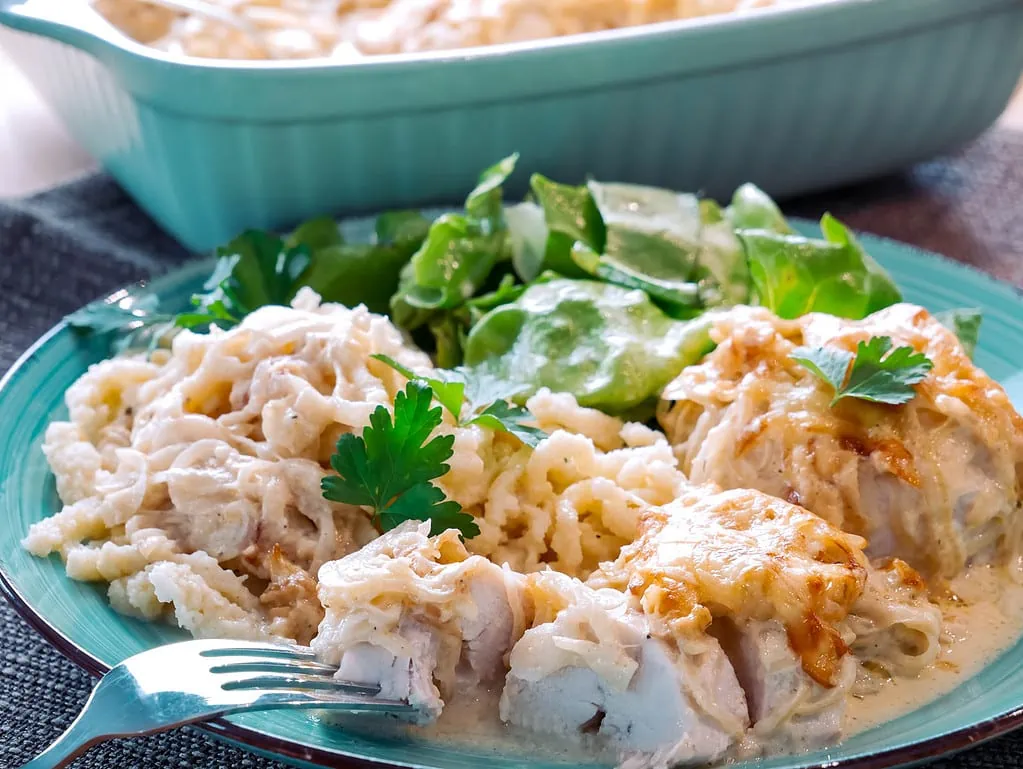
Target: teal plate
point(77, 620)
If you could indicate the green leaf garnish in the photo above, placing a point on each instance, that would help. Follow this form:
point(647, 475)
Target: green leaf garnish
point(389, 467)
point(794, 275)
point(678, 299)
point(402, 228)
point(510, 418)
point(484, 202)
point(452, 265)
point(608, 346)
point(875, 373)
point(259, 268)
point(476, 397)
point(253, 270)
point(527, 239)
point(965, 324)
point(128, 316)
point(753, 209)
point(315, 234)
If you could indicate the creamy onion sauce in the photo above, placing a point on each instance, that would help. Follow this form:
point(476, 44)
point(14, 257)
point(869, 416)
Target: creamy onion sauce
point(470, 718)
point(982, 617)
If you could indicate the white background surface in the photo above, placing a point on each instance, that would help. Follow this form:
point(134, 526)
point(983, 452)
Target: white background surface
point(36, 152)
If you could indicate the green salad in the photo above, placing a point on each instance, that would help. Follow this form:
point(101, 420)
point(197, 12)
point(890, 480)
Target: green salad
point(600, 290)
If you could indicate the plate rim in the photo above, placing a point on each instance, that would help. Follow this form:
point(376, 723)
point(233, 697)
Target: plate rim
point(244, 737)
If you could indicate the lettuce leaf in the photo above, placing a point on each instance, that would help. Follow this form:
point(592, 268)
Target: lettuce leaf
point(965, 324)
point(794, 275)
point(609, 346)
point(753, 209)
point(455, 261)
point(668, 243)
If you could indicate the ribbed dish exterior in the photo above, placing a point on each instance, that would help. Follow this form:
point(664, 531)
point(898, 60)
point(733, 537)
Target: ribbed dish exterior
point(793, 119)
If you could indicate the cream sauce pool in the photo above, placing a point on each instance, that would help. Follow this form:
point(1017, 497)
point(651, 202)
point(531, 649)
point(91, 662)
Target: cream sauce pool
point(984, 618)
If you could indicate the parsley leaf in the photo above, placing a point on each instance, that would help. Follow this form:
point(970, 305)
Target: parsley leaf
point(483, 388)
point(502, 415)
point(875, 373)
point(128, 316)
point(389, 467)
point(426, 502)
point(479, 395)
point(253, 270)
point(448, 390)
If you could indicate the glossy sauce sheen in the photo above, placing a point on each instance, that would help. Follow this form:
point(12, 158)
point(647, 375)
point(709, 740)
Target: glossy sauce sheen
point(985, 621)
point(976, 629)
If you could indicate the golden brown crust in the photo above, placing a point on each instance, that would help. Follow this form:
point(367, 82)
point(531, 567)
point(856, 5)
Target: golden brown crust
point(290, 599)
point(747, 556)
point(749, 415)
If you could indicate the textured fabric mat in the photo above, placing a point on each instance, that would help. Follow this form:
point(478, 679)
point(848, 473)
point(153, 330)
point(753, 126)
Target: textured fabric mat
point(65, 247)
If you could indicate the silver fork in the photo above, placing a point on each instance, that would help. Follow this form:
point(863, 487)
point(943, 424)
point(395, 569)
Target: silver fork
point(192, 681)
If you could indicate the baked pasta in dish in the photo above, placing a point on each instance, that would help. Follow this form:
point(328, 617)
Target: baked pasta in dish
point(347, 29)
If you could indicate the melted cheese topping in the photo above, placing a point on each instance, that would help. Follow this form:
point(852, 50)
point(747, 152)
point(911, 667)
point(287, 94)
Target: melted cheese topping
point(746, 556)
point(934, 481)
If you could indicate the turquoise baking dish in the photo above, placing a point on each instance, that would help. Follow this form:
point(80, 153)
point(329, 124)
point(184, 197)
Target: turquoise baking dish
point(795, 99)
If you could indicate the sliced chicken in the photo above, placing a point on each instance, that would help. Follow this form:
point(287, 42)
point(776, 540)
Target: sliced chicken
point(407, 675)
point(935, 482)
point(419, 615)
point(778, 587)
point(593, 668)
point(744, 556)
point(789, 710)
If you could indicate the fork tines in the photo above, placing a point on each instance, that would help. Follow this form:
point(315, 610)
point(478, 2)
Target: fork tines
point(283, 667)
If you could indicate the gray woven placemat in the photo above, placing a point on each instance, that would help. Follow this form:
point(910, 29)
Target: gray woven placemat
point(65, 247)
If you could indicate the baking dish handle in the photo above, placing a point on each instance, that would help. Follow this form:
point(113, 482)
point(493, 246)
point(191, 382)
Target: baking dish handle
point(75, 24)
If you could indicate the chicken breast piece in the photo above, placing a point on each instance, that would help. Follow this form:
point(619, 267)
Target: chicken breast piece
point(407, 675)
point(419, 616)
point(788, 709)
point(744, 556)
point(593, 668)
point(935, 482)
point(786, 594)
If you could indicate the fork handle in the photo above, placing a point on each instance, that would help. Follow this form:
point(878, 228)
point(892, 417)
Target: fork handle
point(75, 740)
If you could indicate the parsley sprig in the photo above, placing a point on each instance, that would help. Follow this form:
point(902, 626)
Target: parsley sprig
point(875, 373)
point(476, 398)
point(259, 268)
point(129, 318)
point(389, 467)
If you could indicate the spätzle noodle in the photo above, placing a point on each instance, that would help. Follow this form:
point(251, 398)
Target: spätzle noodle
point(191, 481)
